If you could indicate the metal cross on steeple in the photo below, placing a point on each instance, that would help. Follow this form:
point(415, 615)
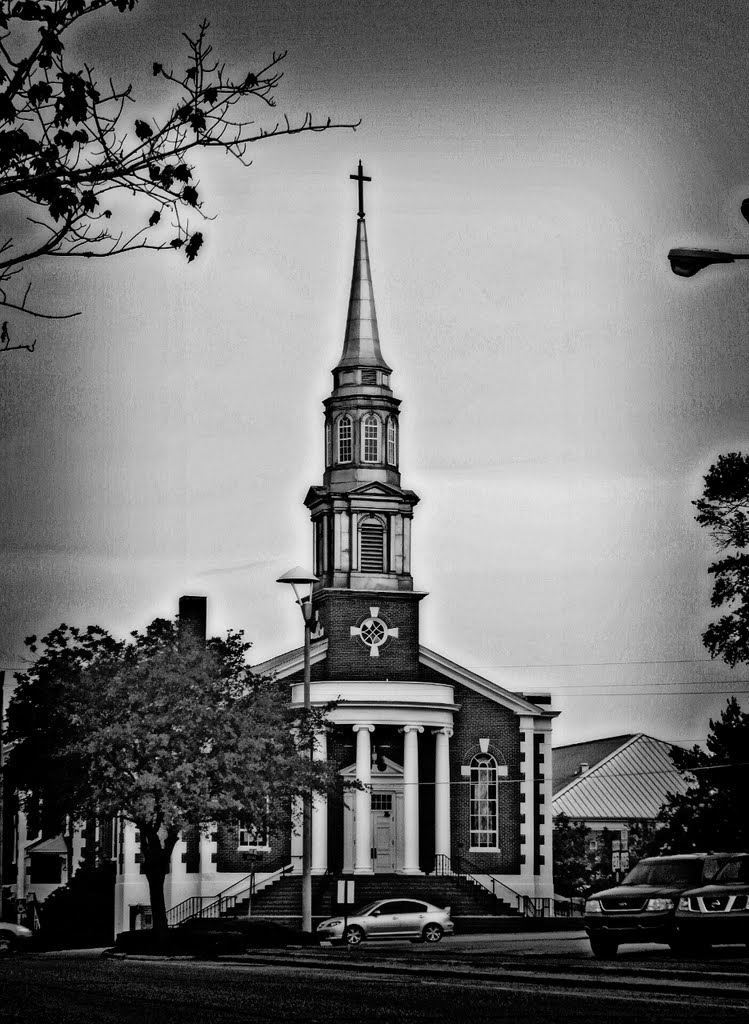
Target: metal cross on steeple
point(361, 178)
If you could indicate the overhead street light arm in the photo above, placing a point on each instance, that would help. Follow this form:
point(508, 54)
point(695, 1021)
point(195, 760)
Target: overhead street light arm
point(688, 262)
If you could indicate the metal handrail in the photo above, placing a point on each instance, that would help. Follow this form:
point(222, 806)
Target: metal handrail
point(529, 906)
point(193, 906)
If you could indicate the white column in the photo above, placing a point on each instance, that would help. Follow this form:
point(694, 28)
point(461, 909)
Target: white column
point(320, 814)
point(207, 847)
point(411, 799)
point(442, 792)
point(363, 801)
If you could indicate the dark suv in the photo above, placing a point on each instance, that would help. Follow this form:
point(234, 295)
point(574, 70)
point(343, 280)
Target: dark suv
point(718, 912)
point(641, 908)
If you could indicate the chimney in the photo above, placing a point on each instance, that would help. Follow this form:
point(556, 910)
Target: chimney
point(583, 768)
point(192, 616)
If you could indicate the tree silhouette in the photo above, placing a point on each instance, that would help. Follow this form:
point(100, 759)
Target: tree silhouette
point(723, 509)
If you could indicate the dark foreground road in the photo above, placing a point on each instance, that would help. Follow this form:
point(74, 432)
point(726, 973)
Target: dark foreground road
point(59, 989)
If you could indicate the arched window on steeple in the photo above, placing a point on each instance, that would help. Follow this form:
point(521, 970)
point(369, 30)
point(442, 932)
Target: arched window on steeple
point(372, 545)
point(484, 803)
point(345, 443)
point(392, 442)
point(370, 439)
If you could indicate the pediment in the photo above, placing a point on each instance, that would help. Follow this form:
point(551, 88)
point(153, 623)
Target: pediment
point(374, 490)
point(392, 771)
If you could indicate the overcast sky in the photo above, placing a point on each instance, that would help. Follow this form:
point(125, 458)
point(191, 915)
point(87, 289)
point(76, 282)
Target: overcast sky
point(563, 393)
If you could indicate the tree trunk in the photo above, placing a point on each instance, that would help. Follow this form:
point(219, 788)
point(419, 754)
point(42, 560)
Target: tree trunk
point(156, 850)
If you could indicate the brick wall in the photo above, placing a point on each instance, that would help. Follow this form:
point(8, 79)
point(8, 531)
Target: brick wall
point(348, 657)
point(230, 858)
point(479, 718)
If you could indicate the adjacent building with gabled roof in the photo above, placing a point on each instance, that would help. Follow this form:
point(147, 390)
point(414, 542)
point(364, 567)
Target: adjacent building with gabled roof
point(613, 783)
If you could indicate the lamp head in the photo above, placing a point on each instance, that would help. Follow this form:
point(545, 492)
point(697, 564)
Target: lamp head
point(688, 262)
point(298, 575)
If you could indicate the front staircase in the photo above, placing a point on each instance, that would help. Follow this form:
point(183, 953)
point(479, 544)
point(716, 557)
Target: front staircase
point(473, 907)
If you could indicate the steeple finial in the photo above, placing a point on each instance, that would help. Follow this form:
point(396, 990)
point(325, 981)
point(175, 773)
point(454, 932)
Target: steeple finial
point(361, 178)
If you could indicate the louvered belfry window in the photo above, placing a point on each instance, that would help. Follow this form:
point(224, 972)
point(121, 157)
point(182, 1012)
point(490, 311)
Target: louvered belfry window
point(372, 547)
point(345, 449)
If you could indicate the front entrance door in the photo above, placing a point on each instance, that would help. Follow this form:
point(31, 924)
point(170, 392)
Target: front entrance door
point(383, 832)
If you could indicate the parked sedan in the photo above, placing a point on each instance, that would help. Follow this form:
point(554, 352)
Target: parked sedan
point(718, 912)
point(13, 936)
point(389, 919)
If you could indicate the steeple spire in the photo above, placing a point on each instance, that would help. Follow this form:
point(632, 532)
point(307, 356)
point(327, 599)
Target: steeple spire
point(361, 345)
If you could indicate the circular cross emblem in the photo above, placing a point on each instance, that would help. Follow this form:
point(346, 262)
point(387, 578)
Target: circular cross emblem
point(373, 632)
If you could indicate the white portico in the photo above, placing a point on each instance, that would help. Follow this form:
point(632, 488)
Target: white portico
point(381, 815)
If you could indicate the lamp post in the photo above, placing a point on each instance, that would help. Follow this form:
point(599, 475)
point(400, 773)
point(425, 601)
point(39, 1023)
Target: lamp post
point(298, 577)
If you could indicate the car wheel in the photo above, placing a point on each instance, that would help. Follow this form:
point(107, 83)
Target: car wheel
point(6, 943)
point(432, 933)
point(354, 936)
point(603, 947)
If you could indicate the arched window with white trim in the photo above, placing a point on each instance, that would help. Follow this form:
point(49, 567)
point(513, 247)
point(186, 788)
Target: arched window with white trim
point(372, 546)
point(392, 442)
point(484, 800)
point(370, 439)
point(345, 439)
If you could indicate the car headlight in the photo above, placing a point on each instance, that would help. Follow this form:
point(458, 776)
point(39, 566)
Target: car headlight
point(592, 906)
point(329, 924)
point(684, 903)
point(660, 904)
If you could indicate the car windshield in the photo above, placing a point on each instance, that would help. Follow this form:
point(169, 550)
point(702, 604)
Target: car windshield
point(734, 871)
point(366, 909)
point(665, 872)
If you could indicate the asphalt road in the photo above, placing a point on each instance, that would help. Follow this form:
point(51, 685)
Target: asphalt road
point(477, 980)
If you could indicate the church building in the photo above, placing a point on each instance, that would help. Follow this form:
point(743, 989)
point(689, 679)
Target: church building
point(454, 770)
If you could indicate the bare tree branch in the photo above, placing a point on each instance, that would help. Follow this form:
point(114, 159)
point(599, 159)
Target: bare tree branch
point(66, 145)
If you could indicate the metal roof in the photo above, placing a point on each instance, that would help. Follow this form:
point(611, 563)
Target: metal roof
point(630, 779)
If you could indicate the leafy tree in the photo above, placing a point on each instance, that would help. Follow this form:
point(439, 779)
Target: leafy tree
point(723, 509)
point(82, 176)
point(572, 869)
point(162, 729)
point(708, 816)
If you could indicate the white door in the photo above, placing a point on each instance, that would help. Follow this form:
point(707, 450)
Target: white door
point(383, 833)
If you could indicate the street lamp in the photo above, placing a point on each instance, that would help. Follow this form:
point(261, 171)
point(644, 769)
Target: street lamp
point(298, 577)
point(688, 262)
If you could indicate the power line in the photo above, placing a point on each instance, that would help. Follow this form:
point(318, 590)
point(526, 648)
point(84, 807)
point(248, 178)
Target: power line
point(600, 664)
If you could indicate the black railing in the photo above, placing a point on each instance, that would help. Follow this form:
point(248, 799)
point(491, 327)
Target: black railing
point(224, 903)
point(528, 906)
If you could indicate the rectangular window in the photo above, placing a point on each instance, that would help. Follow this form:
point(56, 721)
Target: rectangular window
point(369, 376)
point(371, 440)
point(252, 837)
point(382, 801)
point(484, 807)
point(392, 458)
point(344, 440)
